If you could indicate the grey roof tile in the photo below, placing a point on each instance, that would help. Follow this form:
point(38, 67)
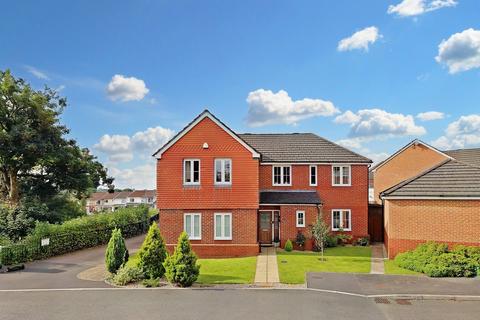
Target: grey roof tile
point(449, 179)
point(468, 156)
point(289, 197)
point(300, 147)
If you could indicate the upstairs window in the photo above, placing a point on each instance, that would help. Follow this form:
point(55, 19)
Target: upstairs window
point(281, 175)
point(341, 176)
point(341, 220)
point(191, 172)
point(313, 175)
point(223, 171)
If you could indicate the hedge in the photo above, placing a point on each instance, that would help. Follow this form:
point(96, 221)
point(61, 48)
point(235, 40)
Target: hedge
point(436, 260)
point(76, 234)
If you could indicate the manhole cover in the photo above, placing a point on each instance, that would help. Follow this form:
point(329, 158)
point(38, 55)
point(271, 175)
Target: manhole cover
point(382, 300)
point(284, 261)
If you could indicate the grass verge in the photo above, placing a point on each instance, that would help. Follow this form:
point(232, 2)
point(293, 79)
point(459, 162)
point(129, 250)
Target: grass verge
point(392, 268)
point(227, 271)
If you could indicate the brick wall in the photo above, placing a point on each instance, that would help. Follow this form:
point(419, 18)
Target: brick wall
point(407, 164)
point(244, 231)
point(172, 194)
point(410, 222)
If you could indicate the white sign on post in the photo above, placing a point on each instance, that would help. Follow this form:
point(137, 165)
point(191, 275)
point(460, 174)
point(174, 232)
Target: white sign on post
point(45, 242)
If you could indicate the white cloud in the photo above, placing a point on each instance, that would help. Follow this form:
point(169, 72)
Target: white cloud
point(461, 133)
point(122, 148)
point(266, 107)
point(37, 73)
point(360, 39)
point(430, 115)
point(377, 157)
point(461, 51)
point(356, 144)
point(369, 124)
point(408, 8)
point(139, 177)
point(126, 88)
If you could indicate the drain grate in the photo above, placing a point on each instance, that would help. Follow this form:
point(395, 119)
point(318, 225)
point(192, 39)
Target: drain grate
point(404, 302)
point(382, 300)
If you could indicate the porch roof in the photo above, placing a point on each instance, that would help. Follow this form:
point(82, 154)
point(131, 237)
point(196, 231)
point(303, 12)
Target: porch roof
point(289, 197)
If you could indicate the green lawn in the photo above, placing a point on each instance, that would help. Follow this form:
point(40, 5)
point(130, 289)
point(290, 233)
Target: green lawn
point(229, 270)
point(392, 268)
point(292, 266)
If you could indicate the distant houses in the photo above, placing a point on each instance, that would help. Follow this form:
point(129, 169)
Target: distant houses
point(105, 201)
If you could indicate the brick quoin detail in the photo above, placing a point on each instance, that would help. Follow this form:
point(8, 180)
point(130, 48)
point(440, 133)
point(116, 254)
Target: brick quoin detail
point(411, 222)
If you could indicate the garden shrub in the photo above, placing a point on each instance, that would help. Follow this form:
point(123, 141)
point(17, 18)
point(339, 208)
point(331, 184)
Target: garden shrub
point(300, 239)
point(151, 283)
point(152, 253)
point(116, 252)
point(364, 241)
point(435, 260)
point(331, 241)
point(181, 268)
point(127, 274)
point(81, 233)
point(288, 245)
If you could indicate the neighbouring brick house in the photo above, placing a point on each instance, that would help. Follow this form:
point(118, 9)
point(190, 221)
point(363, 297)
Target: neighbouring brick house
point(231, 192)
point(105, 201)
point(429, 195)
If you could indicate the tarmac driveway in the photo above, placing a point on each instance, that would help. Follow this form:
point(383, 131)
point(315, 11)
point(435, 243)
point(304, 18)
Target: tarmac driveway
point(61, 271)
point(379, 284)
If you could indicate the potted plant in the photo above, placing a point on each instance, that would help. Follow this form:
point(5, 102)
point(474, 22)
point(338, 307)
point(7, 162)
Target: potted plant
point(300, 241)
point(343, 238)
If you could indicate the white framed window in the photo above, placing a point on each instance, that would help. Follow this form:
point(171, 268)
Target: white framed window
point(191, 172)
point(223, 226)
point(313, 175)
point(300, 218)
point(192, 224)
point(223, 171)
point(282, 175)
point(341, 219)
point(341, 175)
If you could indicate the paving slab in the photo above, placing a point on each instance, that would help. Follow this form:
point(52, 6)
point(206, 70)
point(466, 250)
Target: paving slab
point(377, 259)
point(267, 269)
point(379, 284)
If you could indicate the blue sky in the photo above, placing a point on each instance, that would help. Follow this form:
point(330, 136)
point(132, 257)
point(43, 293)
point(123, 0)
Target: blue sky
point(135, 72)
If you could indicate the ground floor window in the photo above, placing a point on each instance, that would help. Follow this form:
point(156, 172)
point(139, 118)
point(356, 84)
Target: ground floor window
point(300, 218)
point(223, 226)
point(341, 220)
point(192, 224)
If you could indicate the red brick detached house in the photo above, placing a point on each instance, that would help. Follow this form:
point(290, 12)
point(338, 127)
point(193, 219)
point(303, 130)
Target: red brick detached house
point(232, 192)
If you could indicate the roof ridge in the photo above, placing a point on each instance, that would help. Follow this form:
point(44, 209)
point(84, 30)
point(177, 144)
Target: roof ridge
point(461, 149)
point(410, 180)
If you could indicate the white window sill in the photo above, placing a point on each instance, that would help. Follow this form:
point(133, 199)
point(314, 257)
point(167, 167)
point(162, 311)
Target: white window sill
point(215, 238)
point(341, 185)
point(334, 229)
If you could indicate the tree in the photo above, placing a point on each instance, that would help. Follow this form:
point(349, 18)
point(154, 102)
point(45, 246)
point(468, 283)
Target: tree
point(181, 268)
point(36, 159)
point(152, 253)
point(320, 232)
point(116, 252)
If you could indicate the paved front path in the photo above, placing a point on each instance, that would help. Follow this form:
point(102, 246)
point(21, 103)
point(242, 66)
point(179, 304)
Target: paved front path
point(267, 268)
point(377, 259)
point(61, 271)
point(379, 284)
point(258, 304)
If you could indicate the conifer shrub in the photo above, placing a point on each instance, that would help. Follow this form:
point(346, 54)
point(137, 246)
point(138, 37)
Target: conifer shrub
point(116, 252)
point(181, 267)
point(288, 245)
point(152, 254)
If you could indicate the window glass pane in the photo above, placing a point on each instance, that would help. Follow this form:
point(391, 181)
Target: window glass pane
point(346, 220)
point(196, 171)
point(336, 175)
point(227, 170)
point(336, 219)
point(346, 175)
point(227, 226)
point(218, 225)
point(276, 175)
point(196, 226)
point(188, 225)
point(218, 170)
point(313, 175)
point(300, 218)
point(286, 175)
point(188, 170)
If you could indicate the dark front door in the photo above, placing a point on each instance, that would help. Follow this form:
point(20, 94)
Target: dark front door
point(375, 223)
point(265, 225)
